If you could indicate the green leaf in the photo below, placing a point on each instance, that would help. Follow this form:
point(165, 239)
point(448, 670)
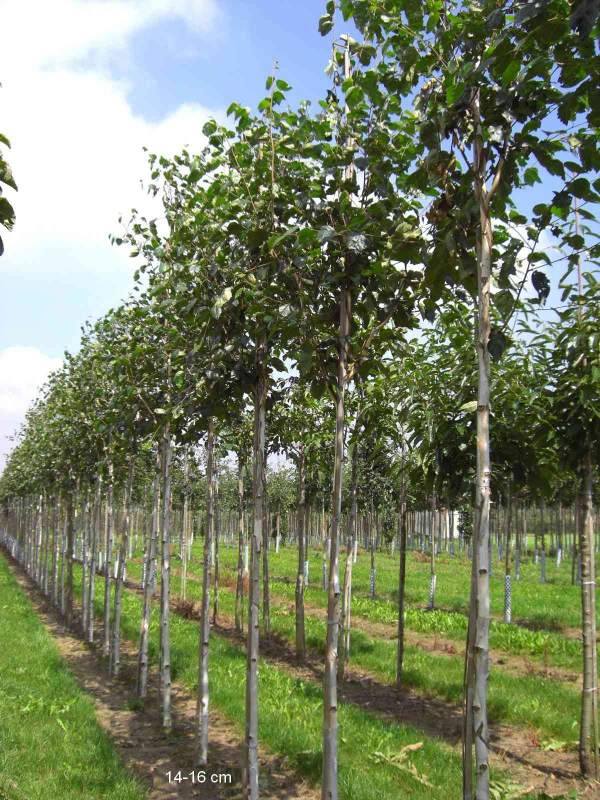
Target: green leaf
point(209, 127)
point(470, 406)
point(510, 73)
point(325, 24)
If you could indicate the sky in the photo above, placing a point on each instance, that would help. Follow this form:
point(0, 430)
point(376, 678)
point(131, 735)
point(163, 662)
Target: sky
point(86, 84)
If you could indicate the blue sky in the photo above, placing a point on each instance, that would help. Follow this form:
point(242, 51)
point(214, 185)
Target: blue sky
point(164, 66)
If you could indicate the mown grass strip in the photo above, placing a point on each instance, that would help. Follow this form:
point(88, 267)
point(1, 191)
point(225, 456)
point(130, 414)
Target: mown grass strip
point(51, 745)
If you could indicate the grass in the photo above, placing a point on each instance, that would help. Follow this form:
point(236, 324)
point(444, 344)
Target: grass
point(290, 719)
point(547, 608)
point(50, 742)
point(550, 708)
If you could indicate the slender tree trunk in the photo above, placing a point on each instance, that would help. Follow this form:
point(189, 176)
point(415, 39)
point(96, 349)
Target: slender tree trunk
point(242, 574)
point(142, 674)
point(216, 537)
point(203, 696)
point(401, 594)
point(183, 542)
point(110, 524)
point(329, 789)
point(433, 531)
point(56, 524)
point(116, 637)
point(69, 554)
point(165, 587)
point(301, 523)
point(588, 735)
point(96, 521)
point(251, 739)
point(480, 643)
point(345, 618)
point(507, 575)
point(266, 609)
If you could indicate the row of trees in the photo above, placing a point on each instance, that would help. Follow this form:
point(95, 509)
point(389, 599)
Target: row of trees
point(313, 246)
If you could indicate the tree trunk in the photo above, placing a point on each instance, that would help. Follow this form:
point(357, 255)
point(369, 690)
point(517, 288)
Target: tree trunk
point(345, 618)
point(242, 574)
point(142, 673)
point(329, 789)
point(251, 738)
point(433, 530)
point(215, 537)
point(401, 593)
point(183, 541)
point(69, 554)
point(201, 757)
point(507, 576)
point(480, 644)
point(108, 557)
point(301, 525)
point(96, 521)
point(588, 735)
point(266, 609)
point(116, 637)
point(165, 587)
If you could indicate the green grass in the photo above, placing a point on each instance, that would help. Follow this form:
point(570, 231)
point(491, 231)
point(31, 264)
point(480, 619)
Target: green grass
point(290, 718)
point(548, 607)
point(548, 707)
point(50, 743)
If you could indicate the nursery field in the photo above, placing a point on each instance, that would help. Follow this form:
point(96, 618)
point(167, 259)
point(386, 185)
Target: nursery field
point(313, 511)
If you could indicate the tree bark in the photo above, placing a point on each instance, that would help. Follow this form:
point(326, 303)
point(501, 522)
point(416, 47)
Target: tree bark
point(201, 757)
point(401, 594)
point(301, 526)
point(110, 522)
point(251, 738)
point(480, 645)
point(69, 554)
point(345, 618)
point(588, 735)
point(329, 789)
point(142, 673)
point(116, 637)
point(242, 574)
point(96, 520)
point(165, 587)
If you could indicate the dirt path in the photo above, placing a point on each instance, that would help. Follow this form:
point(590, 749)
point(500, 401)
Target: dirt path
point(143, 747)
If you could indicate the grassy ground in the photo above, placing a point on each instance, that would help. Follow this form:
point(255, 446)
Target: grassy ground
point(551, 709)
point(548, 607)
point(290, 719)
point(50, 743)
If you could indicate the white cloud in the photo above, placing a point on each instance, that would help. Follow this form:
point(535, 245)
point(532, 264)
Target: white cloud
point(77, 144)
point(23, 370)
point(40, 33)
